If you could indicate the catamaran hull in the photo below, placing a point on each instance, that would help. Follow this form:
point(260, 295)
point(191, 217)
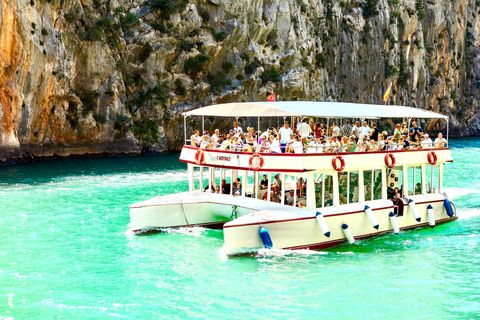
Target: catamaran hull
point(193, 208)
point(242, 235)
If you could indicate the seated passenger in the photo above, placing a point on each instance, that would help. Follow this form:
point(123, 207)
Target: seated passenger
point(427, 142)
point(297, 145)
point(368, 193)
point(274, 144)
point(196, 139)
point(352, 146)
point(328, 201)
point(264, 182)
point(217, 189)
point(312, 145)
point(440, 142)
point(289, 197)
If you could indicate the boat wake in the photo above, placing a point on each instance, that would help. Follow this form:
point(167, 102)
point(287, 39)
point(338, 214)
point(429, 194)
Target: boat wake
point(264, 253)
point(195, 231)
point(467, 213)
point(455, 193)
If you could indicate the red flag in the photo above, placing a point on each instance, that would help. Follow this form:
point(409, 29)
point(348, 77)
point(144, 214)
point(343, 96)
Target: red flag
point(271, 98)
point(387, 93)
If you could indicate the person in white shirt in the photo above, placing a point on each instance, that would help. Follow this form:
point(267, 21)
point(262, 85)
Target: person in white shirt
point(297, 145)
point(336, 145)
point(356, 131)
point(215, 136)
point(335, 130)
point(440, 142)
point(274, 144)
point(321, 146)
point(427, 142)
point(305, 129)
point(312, 145)
point(364, 130)
point(237, 130)
point(285, 134)
point(196, 139)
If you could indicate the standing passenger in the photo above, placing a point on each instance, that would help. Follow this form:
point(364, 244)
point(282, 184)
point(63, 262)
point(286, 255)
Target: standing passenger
point(237, 130)
point(285, 133)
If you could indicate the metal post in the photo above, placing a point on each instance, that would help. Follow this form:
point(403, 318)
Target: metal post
point(323, 190)
point(269, 188)
point(185, 127)
point(348, 187)
point(295, 192)
point(203, 124)
point(447, 133)
point(201, 178)
point(408, 129)
point(282, 177)
point(328, 120)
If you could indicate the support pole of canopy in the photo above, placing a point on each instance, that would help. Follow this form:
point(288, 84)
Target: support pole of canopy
point(185, 127)
point(210, 182)
point(201, 178)
point(409, 120)
point(244, 182)
point(328, 120)
point(282, 177)
point(258, 128)
point(203, 125)
point(269, 184)
point(447, 132)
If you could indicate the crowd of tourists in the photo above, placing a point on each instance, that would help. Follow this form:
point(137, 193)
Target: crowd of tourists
point(318, 138)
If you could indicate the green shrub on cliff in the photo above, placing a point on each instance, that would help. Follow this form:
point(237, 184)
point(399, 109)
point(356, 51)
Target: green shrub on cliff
point(370, 8)
point(271, 74)
point(196, 64)
point(146, 131)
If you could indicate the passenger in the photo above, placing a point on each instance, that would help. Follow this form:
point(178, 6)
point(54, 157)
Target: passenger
point(364, 130)
point(404, 143)
point(343, 199)
point(368, 193)
point(404, 129)
point(277, 182)
point(226, 144)
point(397, 134)
point(427, 142)
point(274, 144)
point(236, 191)
point(328, 145)
point(290, 197)
point(335, 129)
point(205, 144)
point(336, 145)
point(264, 182)
point(383, 141)
point(234, 146)
point(328, 201)
point(374, 132)
point(345, 144)
point(285, 135)
point(318, 131)
point(396, 194)
point(277, 196)
point(352, 146)
point(225, 187)
point(211, 189)
point(239, 186)
point(264, 146)
point(440, 142)
point(304, 129)
point(196, 139)
point(216, 136)
point(321, 146)
point(311, 145)
point(415, 131)
point(418, 188)
point(347, 129)
point(250, 139)
point(356, 131)
point(217, 189)
point(237, 130)
point(297, 145)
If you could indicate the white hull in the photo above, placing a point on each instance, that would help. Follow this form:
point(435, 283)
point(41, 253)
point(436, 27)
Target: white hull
point(288, 231)
point(195, 208)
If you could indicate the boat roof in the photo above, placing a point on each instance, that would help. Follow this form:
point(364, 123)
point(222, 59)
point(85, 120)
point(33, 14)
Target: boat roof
point(313, 109)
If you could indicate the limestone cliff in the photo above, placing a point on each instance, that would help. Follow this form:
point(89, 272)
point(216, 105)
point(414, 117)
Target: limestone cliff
point(92, 76)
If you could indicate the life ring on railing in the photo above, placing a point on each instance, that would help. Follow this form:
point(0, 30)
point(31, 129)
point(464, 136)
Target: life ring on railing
point(342, 163)
point(199, 156)
point(432, 158)
point(390, 160)
point(258, 163)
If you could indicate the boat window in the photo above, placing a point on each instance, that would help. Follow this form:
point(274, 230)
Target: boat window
point(323, 190)
point(348, 187)
point(414, 180)
point(394, 183)
point(372, 180)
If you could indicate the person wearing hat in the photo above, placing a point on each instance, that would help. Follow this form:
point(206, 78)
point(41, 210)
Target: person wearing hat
point(427, 142)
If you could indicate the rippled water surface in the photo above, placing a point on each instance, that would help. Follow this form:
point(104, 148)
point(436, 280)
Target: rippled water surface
point(66, 252)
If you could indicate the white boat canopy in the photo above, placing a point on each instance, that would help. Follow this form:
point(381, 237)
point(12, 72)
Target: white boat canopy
point(313, 109)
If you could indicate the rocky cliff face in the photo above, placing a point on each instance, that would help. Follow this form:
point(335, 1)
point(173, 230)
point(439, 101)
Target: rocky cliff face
point(92, 76)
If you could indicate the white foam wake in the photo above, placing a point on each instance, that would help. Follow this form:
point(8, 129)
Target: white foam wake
point(454, 193)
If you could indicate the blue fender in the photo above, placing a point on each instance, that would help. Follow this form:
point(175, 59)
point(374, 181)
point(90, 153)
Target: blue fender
point(267, 241)
point(449, 208)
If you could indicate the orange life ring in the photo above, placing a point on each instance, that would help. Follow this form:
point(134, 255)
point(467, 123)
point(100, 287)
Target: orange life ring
point(199, 156)
point(432, 158)
point(258, 165)
point(390, 160)
point(342, 163)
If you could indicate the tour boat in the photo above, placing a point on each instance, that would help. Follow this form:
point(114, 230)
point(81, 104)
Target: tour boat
point(335, 197)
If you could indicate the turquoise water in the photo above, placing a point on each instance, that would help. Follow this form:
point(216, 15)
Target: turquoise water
point(66, 252)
